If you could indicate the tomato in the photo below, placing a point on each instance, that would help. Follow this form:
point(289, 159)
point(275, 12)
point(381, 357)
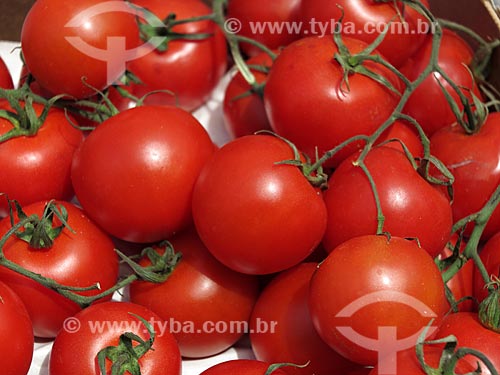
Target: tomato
point(17, 333)
point(490, 255)
point(428, 104)
point(402, 132)
point(134, 174)
point(80, 259)
point(79, 47)
point(37, 167)
point(245, 115)
point(253, 215)
point(366, 20)
point(5, 77)
point(373, 296)
point(266, 22)
point(412, 207)
point(407, 363)
point(206, 300)
point(293, 339)
point(473, 160)
point(76, 347)
point(190, 69)
point(461, 285)
point(243, 367)
point(470, 333)
point(308, 102)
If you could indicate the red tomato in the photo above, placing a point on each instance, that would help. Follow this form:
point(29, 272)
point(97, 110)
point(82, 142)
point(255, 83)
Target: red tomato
point(267, 22)
point(190, 69)
point(253, 215)
point(292, 339)
point(75, 348)
point(406, 134)
point(308, 103)
point(373, 296)
point(461, 285)
point(246, 115)
point(208, 305)
point(5, 77)
point(242, 367)
point(134, 174)
point(37, 167)
point(407, 363)
point(80, 259)
point(473, 160)
point(412, 207)
point(65, 43)
point(490, 255)
point(17, 333)
point(366, 20)
point(427, 104)
point(470, 333)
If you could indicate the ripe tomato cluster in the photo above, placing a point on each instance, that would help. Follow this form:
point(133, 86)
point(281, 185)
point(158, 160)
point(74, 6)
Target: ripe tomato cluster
point(348, 227)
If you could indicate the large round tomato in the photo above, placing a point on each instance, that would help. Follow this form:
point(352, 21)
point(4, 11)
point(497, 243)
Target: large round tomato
point(38, 167)
point(81, 258)
point(428, 104)
point(309, 103)
point(208, 304)
point(473, 159)
point(134, 174)
point(243, 110)
point(5, 77)
point(264, 21)
point(281, 329)
point(100, 326)
point(374, 295)
point(16, 332)
point(470, 333)
point(490, 255)
point(366, 20)
point(254, 215)
point(242, 367)
point(77, 47)
point(190, 69)
point(407, 363)
point(411, 206)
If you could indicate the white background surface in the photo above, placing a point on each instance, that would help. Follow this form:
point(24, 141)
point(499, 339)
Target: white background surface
point(210, 115)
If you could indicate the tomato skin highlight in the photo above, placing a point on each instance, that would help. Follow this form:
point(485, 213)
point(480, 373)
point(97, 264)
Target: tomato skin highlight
point(76, 352)
point(16, 331)
point(38, 167)
point(370, 282)
point(284, 303)
point(98, 59)
point(81, 259)
point(412, 207)
point(307, 101)
point(242, 199)
point(199, 290)
point(153, 154)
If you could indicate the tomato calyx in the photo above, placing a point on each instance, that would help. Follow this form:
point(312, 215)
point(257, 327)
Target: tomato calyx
point(489, 308)
point(40, 233)
point(162, 265)
point(159, 32)
point(125, 356)
point(22, 116)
